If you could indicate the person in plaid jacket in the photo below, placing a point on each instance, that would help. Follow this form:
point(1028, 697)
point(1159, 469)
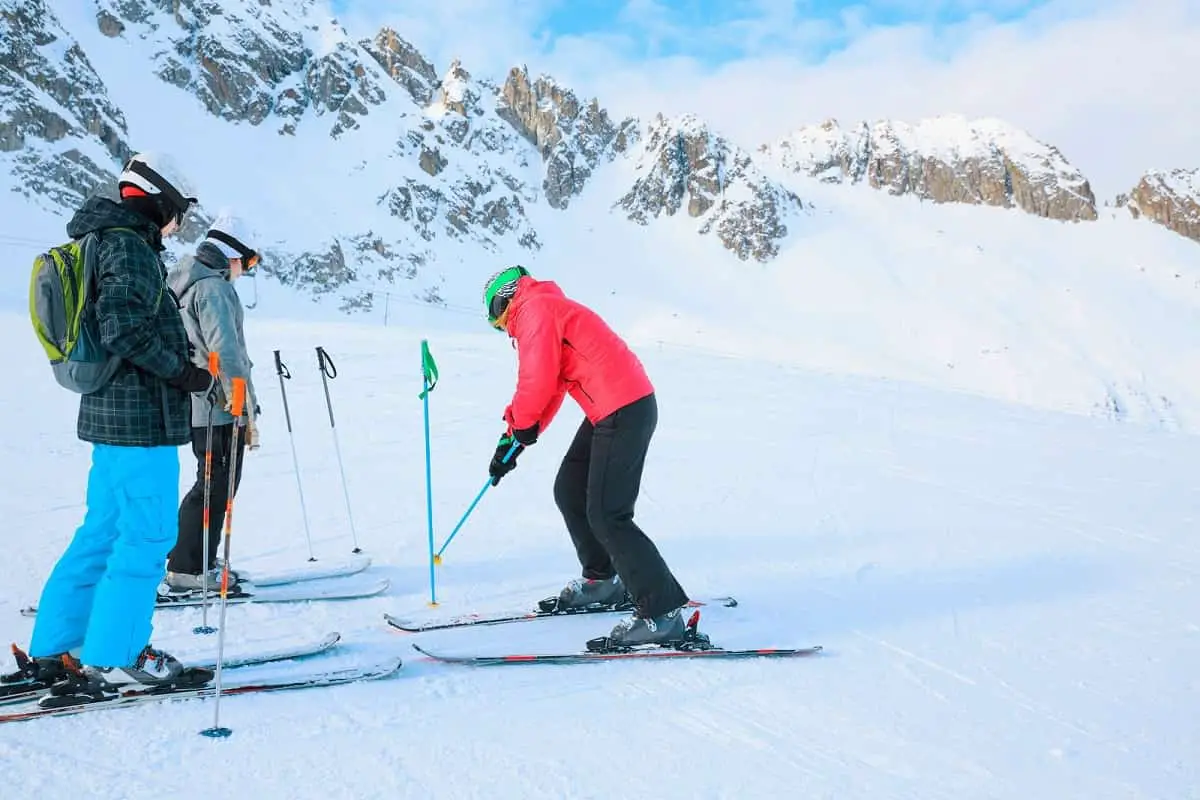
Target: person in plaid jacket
point(96, 607)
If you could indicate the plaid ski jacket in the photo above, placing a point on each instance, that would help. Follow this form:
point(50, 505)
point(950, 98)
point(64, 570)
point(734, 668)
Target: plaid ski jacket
point(139, 320)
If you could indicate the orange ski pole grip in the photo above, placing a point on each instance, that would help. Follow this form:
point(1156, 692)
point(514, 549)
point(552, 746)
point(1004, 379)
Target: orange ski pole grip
point(239, 397)
point(214, 364)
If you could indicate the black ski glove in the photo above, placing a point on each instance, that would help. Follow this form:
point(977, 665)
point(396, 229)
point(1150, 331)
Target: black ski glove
point(498, 467)
point(192, 379)
point(527, 436)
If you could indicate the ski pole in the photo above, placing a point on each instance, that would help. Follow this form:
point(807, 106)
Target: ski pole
point(328, 373)
point(438, 558)
point(214, 369)
point(429, 377)
point(239, 401)
point(282, 371)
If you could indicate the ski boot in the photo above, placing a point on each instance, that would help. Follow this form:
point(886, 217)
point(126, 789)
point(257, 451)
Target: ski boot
point(152, 669)
point(666, 630)
point(588, 594)
point(182, 585)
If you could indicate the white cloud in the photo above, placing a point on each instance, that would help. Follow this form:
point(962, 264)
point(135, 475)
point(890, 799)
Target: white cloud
point(489, 36)
point(1109, 82)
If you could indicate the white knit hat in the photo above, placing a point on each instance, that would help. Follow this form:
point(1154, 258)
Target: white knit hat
point(231, 235)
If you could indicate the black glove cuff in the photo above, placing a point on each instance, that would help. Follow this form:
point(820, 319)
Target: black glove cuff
point(527, 436)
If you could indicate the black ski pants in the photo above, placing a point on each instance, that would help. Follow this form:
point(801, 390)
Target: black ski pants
point(596, 489)
point(188, 554)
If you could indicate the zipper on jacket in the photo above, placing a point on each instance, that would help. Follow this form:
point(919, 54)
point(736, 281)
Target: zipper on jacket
point(579, 384)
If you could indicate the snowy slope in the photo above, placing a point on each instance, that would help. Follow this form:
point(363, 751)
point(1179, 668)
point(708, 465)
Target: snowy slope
point(1006, 596)
point(1102, 318)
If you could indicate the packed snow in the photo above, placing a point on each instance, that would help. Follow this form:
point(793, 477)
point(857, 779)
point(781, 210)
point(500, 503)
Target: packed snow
point(1005, 595)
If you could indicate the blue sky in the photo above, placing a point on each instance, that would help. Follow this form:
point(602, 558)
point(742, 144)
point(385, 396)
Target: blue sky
point(713, 32)
point(717, 31)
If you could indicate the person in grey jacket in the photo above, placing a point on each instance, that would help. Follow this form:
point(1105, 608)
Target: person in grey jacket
point(213, 316)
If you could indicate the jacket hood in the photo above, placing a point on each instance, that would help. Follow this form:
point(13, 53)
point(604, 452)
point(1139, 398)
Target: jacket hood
point(100, 213)
point(529, 288)
point(208, 262)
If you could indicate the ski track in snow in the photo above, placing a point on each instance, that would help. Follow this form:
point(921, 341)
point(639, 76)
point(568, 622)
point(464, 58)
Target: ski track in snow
point(1006, 596)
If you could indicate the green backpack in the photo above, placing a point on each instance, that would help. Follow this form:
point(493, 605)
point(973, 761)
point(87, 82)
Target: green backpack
point(62, 307)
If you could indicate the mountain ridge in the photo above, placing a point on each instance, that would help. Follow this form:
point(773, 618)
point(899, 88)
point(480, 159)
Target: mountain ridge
point(417, 158)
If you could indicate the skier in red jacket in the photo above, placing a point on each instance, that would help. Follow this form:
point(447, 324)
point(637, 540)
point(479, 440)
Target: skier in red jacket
point(566, 348)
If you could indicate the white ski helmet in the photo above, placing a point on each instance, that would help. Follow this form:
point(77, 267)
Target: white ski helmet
point(158, 174)
point(233, 238)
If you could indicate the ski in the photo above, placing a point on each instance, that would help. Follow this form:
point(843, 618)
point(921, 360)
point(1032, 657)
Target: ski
point(335, 589)
point(466, 620)
point(616, 655)
point(694, 644)
point(347, 588)
point(235, 656)
point(240, 656)
point(231, 685)
point(311, 572)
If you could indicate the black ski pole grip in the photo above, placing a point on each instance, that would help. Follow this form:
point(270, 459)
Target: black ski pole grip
point(282, 372)
point(325, 363)
point(280, 369)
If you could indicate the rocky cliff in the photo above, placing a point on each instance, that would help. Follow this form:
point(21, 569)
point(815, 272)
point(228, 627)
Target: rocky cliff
point(60, 134)
point(947, 159)
point(1171, 199)
point(685, 167)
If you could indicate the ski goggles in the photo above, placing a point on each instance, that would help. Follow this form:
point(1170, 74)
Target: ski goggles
point(249, 257)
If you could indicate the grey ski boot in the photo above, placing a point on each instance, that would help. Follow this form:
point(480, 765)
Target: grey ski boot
point(589, 594)
point(666, 630)
point(150, 670)
point(633, 631)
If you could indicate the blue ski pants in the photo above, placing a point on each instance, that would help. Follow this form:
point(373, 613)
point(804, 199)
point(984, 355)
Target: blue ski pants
point(101, 594)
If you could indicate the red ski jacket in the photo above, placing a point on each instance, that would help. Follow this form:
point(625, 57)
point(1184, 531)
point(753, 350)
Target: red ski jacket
point(564, 347)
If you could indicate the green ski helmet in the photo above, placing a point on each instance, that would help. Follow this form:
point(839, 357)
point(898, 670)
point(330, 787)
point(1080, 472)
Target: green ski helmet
point(499, 290)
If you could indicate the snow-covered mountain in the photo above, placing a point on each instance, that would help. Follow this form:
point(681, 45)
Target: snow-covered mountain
point(375, 177)
point(278, 99)
point(1171, 199)
point(947, 159)
point(684, 164)
point(60, 134)
point(416, 160)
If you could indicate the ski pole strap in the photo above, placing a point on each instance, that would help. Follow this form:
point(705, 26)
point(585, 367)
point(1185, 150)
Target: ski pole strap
point(325, 363)
point(280, 369)
point(214, 369)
